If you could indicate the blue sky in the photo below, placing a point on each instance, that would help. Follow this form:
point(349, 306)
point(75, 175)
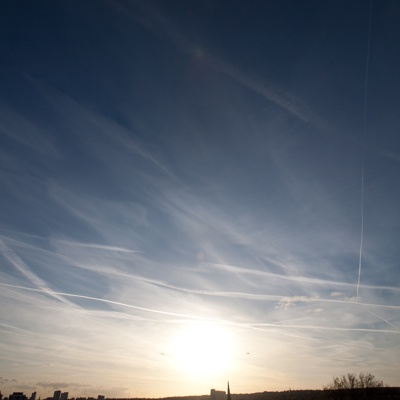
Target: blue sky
point(186, 190)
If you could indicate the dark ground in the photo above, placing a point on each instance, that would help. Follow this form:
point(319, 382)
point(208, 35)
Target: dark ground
point(384, 393)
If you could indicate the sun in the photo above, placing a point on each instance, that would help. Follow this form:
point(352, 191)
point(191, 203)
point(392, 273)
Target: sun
point(203, 349)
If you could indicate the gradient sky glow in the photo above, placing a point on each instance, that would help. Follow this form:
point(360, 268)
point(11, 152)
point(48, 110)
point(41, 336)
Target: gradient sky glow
point(181, 195)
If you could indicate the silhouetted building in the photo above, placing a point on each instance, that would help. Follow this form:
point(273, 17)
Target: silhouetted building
point(217, 394)
point(100, 397)
point(228, 396)
point(33, 396)
point(57, 395)
point(64, 396)
point(17, 396)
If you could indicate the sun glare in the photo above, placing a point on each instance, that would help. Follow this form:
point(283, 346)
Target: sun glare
point(203, 349)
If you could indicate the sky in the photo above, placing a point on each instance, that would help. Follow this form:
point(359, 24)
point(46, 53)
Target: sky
point(198, 191)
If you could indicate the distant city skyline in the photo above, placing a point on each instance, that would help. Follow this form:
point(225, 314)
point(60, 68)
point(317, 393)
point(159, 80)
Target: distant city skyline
point(214, 395)
point(198, 191)
point(57, 395)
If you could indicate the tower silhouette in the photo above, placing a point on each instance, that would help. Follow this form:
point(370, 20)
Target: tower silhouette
point(228, 396)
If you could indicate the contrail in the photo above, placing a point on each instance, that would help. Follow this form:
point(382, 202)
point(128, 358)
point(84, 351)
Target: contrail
point(197, 318)
point(16, 261)
point(325, 328)
point(300, 279)
point(96, 246)
point(118, 303)
point(362, 227)
point(383, 319)
point(363, 153)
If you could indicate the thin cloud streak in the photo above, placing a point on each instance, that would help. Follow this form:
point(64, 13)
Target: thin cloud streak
point(384, 320)
point(193, 317)
point(326, 328)
point(26, 132)
point(26, 271)
point(96, 246)
point(301, 279)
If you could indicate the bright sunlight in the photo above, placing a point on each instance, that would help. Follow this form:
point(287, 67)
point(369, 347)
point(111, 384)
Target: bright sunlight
point(203, 349)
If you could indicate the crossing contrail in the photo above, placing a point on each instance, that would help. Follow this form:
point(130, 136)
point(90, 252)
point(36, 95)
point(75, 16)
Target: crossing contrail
point(363, 153)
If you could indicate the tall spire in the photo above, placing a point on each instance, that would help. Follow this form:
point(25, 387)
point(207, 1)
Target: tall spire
point(228, 396)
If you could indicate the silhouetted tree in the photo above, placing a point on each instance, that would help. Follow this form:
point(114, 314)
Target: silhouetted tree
point(352, 381)
point(353, 386)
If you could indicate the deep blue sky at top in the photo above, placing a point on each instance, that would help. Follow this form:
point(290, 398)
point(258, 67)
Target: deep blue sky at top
point(127, 69)
point(82, 50)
